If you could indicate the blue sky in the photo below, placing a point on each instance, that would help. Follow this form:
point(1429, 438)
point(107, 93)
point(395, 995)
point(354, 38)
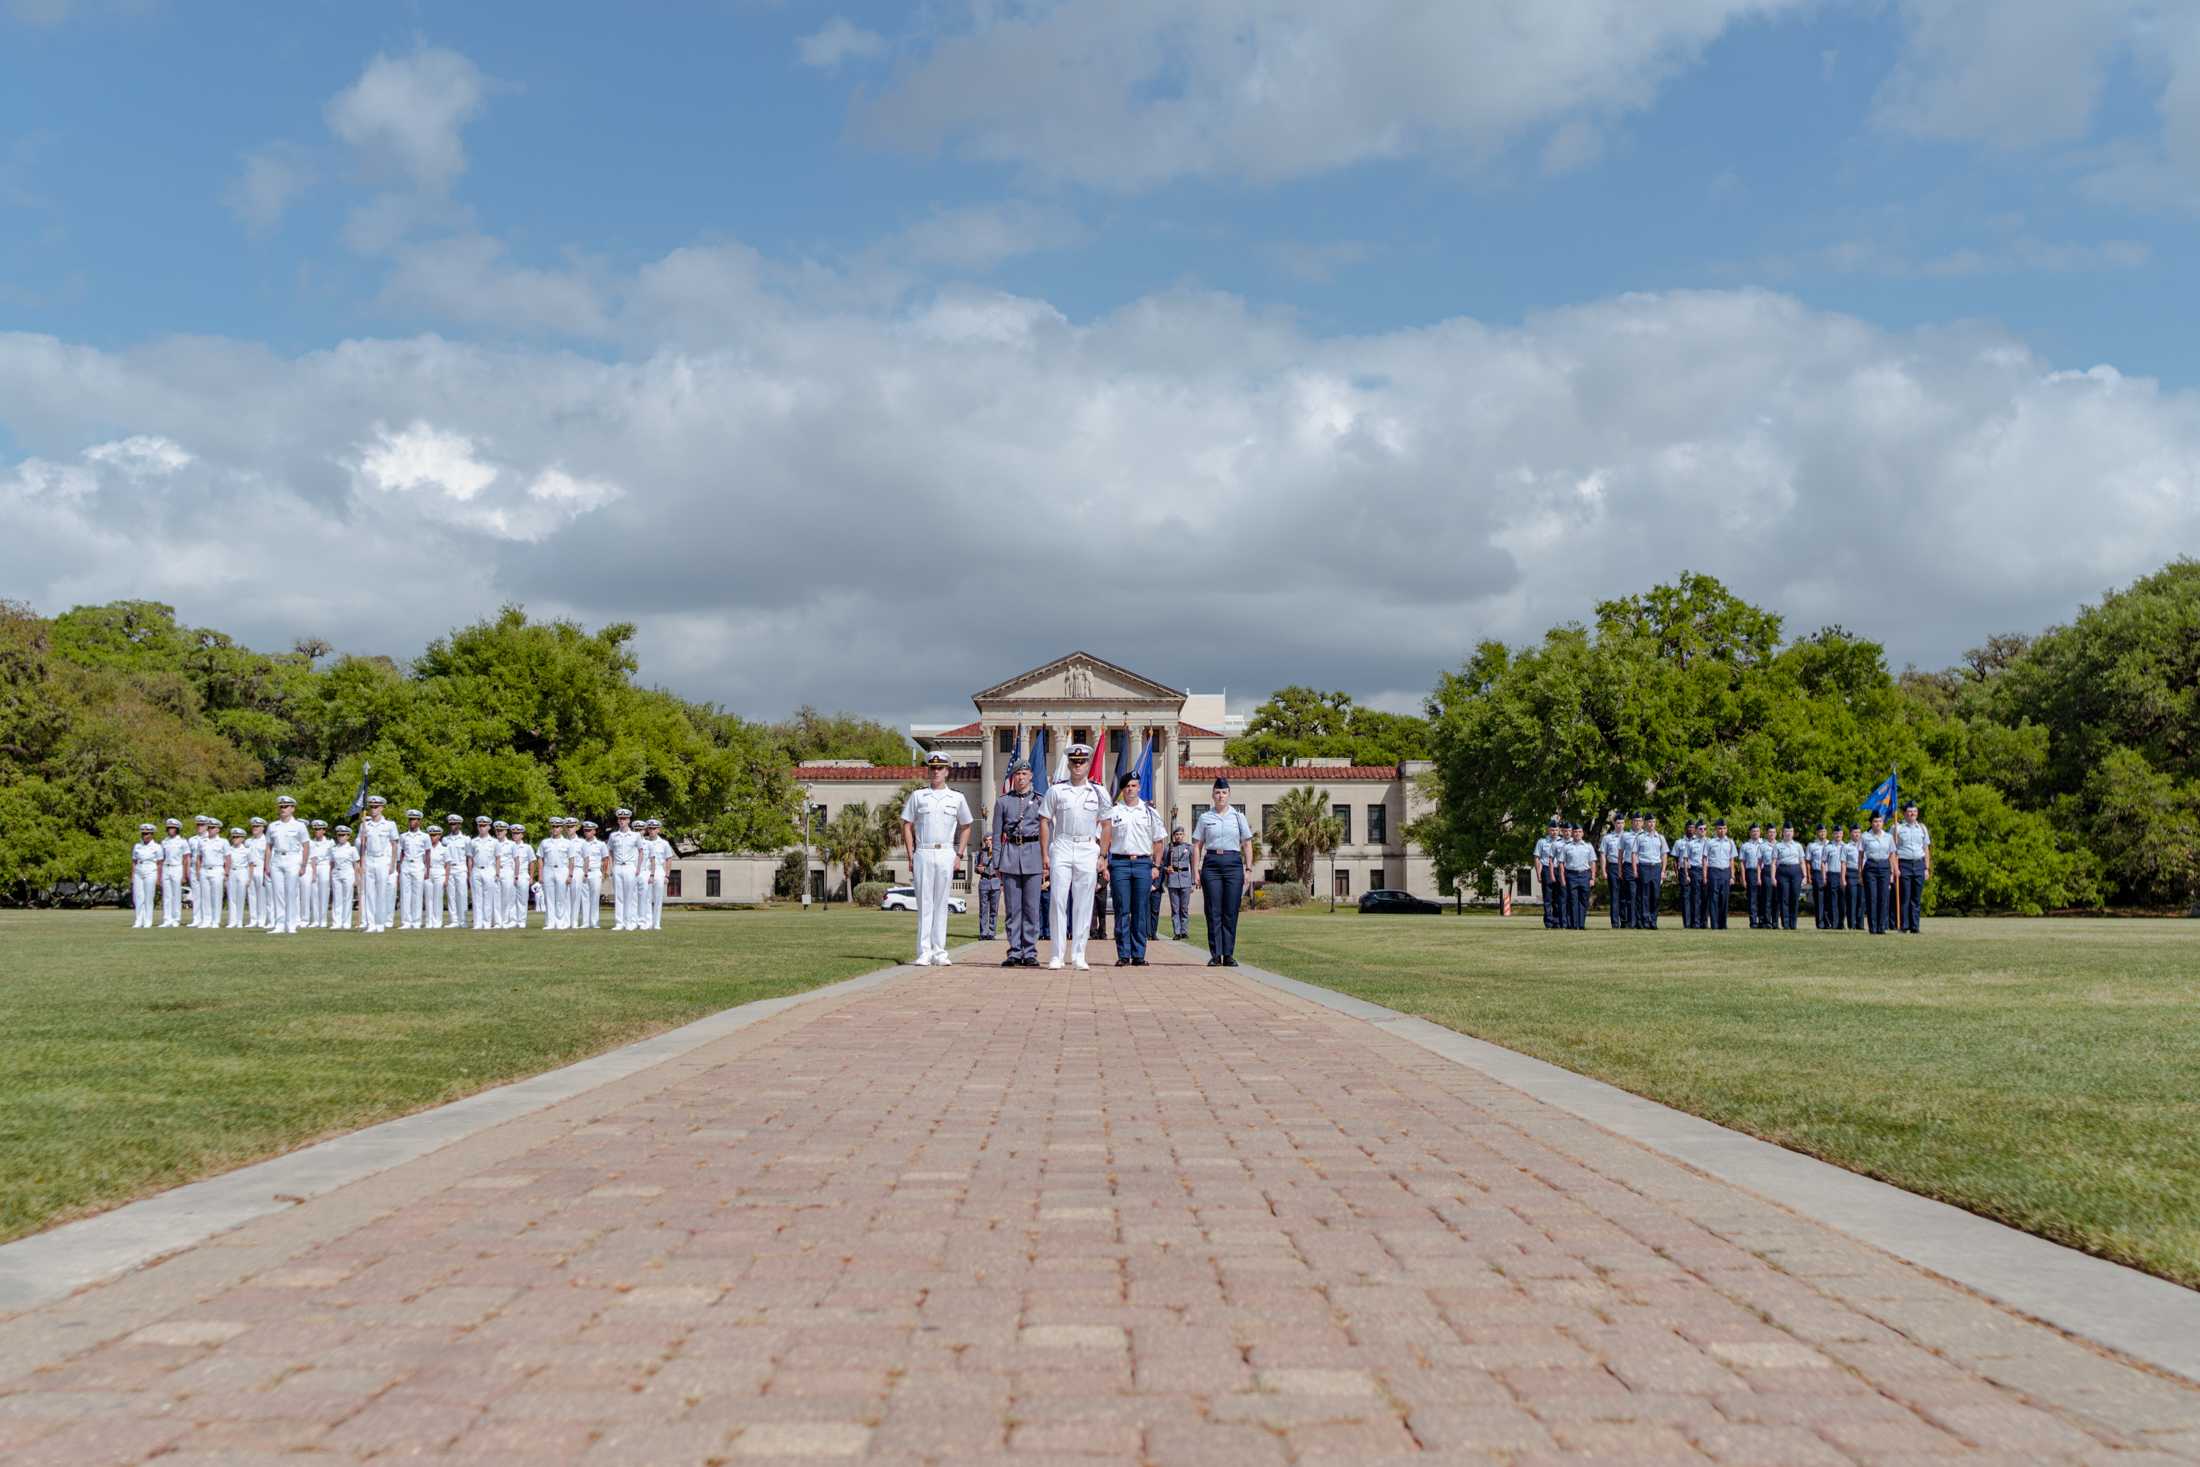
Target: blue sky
point(701, 315)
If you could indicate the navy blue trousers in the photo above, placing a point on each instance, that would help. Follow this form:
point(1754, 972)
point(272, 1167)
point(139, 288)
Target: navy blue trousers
point(1688, 899)
point(1788, 895)
point(1221, 888)
point(1913, 895)
point(1577, 906)
point(1623, 898)
point(1131, 879)
point(1644, 898)
point(1554, 897)
point(1876, 893)
point(1718, 893)
point(1752, 896)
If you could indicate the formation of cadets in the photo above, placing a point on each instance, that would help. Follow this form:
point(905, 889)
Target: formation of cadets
point(287, 874)
point(1857, 878)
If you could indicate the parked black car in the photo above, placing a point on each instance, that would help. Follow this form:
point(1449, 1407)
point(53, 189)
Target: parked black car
point(1384, 899)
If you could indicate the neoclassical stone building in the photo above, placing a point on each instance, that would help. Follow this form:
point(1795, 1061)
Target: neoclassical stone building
point(1075, 698)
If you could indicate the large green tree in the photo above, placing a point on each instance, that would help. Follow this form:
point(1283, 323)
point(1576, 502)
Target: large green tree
point(1299, 722)
point(114, 714)
point(810, 734)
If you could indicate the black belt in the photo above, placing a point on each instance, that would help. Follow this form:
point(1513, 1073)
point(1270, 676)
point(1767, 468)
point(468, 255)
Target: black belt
point(1019, 840)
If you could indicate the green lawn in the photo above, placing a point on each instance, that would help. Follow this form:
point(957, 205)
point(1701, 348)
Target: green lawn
point(2045, 1073)
point(132, 1061)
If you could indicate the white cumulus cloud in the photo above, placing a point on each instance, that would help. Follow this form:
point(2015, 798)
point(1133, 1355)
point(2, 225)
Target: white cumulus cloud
point(408, 113)
point(839, 40)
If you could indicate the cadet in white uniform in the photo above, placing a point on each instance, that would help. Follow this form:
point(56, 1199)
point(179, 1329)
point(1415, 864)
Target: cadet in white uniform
point(594, 857)
point(522, 876)
point(553, 853)
point(175, 856)
point(481, 897)
point(316, 882)
point(377, 866)
point(286, 864)
point(431, 905)
point(343, 878)
point(412, 873)
point(1069, 824)
point(257, 909)
point(624, 849)
point(209, 866)
point(457, 864)
point(661, 853)
point(145, 861)
point(935, 831)
point(237, 864)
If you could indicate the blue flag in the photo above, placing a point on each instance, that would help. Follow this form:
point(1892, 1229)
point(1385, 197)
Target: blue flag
point(359, 801)
point(1886, 799)
point(1145, 775)
point(1039, 761)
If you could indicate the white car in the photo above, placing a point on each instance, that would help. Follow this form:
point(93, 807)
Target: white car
point(904, 899)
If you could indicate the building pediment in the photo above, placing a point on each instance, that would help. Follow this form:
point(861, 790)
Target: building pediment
point(1079, 678)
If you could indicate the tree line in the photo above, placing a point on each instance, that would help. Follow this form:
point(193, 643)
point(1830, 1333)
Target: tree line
point(2058, 770)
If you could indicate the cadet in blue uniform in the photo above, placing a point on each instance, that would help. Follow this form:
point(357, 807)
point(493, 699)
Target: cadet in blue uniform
point(1219, 838)
point(1788, 877)
point(1579, 860)
point(1752, 887)
point(1684, 868)
point(1548, 874)
point(1718, 877)
point(1913, 853)
point(1019, 862)
point(1617, 885)
point(1852, 876)
point(1814, 862)
point(1648, 872)
point(1878, 845)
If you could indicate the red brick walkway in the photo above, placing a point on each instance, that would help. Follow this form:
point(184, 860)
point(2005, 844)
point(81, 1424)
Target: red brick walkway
point(1141, 1215)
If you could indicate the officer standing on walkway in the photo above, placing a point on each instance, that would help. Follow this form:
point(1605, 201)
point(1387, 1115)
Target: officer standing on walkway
point(1219, 838)
point(989, 892)
point(1717, 865)
point(1649, 871)
point(1913, 850)
point(935, 831)
point(1176, 874)
point(1018, 861)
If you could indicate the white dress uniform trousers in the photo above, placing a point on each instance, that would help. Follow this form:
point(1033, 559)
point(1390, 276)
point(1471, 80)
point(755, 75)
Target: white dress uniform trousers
point(317, 881)
point(412, 878)
point(431, 900)
point(206, 881)
point(258, 899)
point(517, 853)
point(554, 903)
point(343, 881)
point(1073, 812)
point(144, 881)
point(660, 882)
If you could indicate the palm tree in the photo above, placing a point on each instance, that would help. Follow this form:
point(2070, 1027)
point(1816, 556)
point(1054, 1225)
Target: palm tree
point(852, 839)
point(1301, 828)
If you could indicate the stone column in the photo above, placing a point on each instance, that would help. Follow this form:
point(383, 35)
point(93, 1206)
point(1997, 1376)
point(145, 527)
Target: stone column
point(1169, 760)
point(989, 784)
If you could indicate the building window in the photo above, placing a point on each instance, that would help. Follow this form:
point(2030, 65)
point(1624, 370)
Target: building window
point(817, 886)
point(1272, 874)
point(710, 882)
point(1267, 816)
point(672, 882)
point(1378, 825)
point(1524, 883)
point(1080, 736)
point(1341, 878)
point(1344, 823)
point(818, 817)
point(1004, 741)
point(1375, 880)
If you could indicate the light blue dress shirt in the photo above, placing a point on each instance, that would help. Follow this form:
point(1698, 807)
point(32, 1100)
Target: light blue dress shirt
point(1224, 832)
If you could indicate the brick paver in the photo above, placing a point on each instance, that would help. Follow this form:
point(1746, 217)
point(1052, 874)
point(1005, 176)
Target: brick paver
point(1137, 1215)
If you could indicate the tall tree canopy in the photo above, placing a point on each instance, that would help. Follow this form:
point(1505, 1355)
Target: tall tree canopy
point(114, 714)
point(1304, 723)
point(1684, 700)
point(810, 734)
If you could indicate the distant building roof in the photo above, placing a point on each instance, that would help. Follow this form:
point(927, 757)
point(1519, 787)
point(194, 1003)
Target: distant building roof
point(1297, 774)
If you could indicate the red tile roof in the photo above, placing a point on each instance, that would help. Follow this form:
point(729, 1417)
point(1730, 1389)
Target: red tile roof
point(1194, 731)
point(967, 731)
point(884, 773)
point(1273, 773)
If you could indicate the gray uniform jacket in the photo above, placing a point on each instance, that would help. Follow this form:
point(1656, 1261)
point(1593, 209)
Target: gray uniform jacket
point(1016, 835)
point(1176, 862)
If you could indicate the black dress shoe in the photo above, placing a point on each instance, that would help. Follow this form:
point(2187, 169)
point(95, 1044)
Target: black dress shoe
point(1012, 962)
point(1229, 962)
point(1214, 962)
point(1139, 963)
